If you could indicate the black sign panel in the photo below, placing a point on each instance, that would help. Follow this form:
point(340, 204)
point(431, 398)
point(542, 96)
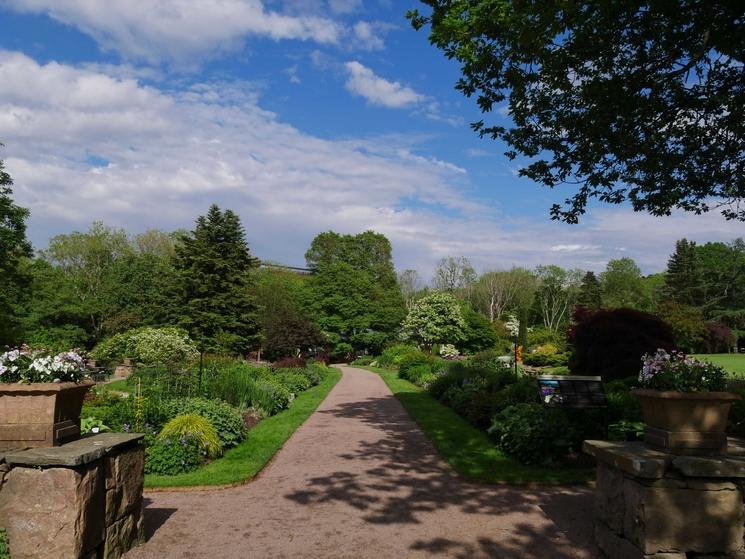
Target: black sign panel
point(572, 392)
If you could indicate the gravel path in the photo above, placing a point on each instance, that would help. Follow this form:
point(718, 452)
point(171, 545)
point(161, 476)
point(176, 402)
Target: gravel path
point(360, 480)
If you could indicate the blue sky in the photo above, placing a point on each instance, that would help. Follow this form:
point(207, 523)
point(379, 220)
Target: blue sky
point(301, 115)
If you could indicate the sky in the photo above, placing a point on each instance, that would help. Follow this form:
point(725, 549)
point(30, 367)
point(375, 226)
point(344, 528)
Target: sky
point(300, 115)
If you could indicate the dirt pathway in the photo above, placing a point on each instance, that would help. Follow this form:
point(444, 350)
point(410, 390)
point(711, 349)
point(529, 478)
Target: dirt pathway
point(360, 480)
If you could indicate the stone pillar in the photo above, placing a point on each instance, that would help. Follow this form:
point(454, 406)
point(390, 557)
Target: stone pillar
point(652, 504)
point(79, 500)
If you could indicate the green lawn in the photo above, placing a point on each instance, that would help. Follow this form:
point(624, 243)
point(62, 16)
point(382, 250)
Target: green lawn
point(468, 450)
point(118, 385)
point(732, 362)
point(247, 459)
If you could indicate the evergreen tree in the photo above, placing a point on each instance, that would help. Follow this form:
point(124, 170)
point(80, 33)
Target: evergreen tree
point(590, 292)
point(213, 264)
point(683, 278)
point(13, 249)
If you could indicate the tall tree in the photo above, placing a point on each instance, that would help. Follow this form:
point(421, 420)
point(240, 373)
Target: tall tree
point(453, 273)
point(214, 265)
point(683, 278)
point(13, 249)
point(557, 294)
point(590, 292)
point(354, 295)
point(436, 318)
point(496, 292)
point(622, 284)
point(638, 101)
point(411, 284)
point(87, 260)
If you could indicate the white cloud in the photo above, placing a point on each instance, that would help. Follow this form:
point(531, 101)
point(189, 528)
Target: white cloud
point(345, 6)
point(179, 30)
point(377, 90)
point(84, 145)
point(367, 36)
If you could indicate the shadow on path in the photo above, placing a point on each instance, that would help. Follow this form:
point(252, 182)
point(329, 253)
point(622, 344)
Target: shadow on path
point(405, 479)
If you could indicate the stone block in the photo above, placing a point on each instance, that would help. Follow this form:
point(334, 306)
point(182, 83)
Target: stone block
point(669, 519)
point(614, 546)
point(609, 500)
point(124, 481)
point(54, 512)
point(123, 535)
point(633, 458)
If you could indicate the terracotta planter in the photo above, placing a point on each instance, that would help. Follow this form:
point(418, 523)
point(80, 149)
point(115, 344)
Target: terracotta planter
point(42, 414)
point(692, 423)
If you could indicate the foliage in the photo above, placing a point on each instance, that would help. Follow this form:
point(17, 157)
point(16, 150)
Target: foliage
point(498, 292)
point(170, 347)
point(611, 343)
point(13, 249)
point(247, 459)
point(467, 449)
point(86, 260)
point(541, 336)
point(91, 424)
point(363, 360)
point(687, 324)
point(436, 318)
point(590, 293)
point(626, 430)
point(4, 550)
point(27, 366)
point(683, 278)
point(213, 262)
point(195, 426)
point(546, 356)
point(679, 372)
point(295, 380)
point(453, 273)
point(557, 293)
point(289, 363)
point(420, 368)
point(173, 456)
point(392, 355)
point(353, 295)
point(522, 431)
point(719, 338)
point(227, 420)
point(622, 285)
point(478, 334)
point(623, 101)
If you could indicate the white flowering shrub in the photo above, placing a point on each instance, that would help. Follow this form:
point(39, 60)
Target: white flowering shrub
point(449, 351)
point(25, 366)
point(148, 346)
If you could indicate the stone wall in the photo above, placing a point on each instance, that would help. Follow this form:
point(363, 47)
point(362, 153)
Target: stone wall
point(652, 504)
point(79, 500)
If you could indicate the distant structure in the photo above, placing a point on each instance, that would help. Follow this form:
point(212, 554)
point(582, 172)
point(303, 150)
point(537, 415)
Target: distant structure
point(302, 271)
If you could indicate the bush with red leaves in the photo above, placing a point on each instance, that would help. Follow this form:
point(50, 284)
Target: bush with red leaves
point(719, 338)
point(611, 343)
point(289, 363)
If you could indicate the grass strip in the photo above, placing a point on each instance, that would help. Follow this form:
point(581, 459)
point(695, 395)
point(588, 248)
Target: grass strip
point(733, 363)
point(243, 462)
point(468, 450)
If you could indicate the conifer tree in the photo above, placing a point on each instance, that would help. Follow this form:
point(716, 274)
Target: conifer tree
point(683, 278)
point(214, 262)
point(590, 292)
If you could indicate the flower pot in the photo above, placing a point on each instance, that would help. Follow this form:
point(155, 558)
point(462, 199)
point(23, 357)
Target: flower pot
point(41, 414)
point(692, 423)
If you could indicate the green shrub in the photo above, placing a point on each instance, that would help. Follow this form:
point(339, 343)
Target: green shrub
point(170, 347)
point(295, 380)
point(623, 406)
point(88, 424)
point(391, 356)
point(459, 373)
point(174, 456)
point(542, 359)
point(421, 375)
point(540, 335)
point(4, 550)
point(227, 420)
point(523, 432)
point(363, 360)
point(488, 359)
point(415, 360)
point(194, 426)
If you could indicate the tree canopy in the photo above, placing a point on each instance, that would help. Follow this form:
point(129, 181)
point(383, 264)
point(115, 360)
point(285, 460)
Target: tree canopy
point(639, 101)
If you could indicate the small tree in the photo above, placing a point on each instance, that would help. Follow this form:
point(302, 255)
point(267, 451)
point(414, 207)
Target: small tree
point(436, 318)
